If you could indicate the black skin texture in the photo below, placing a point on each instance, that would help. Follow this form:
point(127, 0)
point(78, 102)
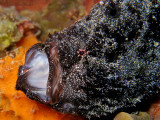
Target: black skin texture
point(120, 68)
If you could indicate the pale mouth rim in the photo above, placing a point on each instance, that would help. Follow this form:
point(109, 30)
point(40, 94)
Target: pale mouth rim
point(25, 71)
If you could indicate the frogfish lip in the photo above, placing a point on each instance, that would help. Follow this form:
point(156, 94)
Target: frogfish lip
point(40, 77)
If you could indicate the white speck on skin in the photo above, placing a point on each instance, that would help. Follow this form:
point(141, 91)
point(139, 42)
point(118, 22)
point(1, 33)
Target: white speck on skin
point(101, 2)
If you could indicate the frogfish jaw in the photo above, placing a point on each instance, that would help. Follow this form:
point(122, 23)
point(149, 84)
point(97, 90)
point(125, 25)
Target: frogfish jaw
point(39, 77)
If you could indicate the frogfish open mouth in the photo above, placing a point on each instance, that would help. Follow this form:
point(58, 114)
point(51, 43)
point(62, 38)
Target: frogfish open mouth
point(40, 76)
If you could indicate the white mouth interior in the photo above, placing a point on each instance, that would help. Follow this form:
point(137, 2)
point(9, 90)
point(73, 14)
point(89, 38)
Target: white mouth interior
point(37, 66)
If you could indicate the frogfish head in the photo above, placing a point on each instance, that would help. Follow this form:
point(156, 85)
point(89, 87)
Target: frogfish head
point(40, 76)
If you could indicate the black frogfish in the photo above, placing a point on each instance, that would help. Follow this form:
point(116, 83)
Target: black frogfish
point(105, 63)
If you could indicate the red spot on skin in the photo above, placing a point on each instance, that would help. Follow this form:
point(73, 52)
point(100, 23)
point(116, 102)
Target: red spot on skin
point(82, 52)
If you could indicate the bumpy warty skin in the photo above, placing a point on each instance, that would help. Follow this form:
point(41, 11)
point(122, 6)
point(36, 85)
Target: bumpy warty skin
point(120, 67)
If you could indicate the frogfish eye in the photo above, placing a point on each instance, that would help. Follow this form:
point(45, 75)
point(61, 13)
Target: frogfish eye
point(34, 77)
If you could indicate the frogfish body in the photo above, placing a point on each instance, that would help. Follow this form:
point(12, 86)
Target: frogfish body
point(105, 63)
